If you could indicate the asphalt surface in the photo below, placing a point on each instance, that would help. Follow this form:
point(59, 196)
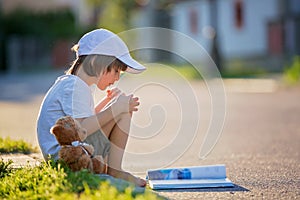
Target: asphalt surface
point(259, 143)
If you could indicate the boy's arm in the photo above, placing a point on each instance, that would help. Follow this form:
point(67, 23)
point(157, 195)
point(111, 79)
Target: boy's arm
point(102, 104)
point(124, 104)
point(111, 94)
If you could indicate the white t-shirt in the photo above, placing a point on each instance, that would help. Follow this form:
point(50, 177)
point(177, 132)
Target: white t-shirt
point(69, 95)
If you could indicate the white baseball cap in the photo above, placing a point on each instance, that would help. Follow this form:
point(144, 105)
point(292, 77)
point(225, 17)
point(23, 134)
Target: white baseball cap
point(104, 42)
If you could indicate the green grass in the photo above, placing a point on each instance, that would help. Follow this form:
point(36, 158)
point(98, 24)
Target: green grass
point(189, 72)
point(170, 71)
point(8, 145)
point(52, 180)
point(292, 72)
point(242, 72)
point(238, 68)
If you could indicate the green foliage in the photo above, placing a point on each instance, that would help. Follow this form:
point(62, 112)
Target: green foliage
point(292, 73)
point(244, 68)
point(114, 15)
point(8, 145)
point(78, 180)
point(55, 24)
point(53, 180)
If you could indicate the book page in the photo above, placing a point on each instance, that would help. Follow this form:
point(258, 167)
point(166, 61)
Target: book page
point(198, 172)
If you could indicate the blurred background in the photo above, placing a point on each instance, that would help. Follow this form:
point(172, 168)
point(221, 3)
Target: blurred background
point(254, 43)
point(244, 37)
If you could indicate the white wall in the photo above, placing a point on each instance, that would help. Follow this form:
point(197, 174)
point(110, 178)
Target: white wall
point(181, 22)
point(250, 40)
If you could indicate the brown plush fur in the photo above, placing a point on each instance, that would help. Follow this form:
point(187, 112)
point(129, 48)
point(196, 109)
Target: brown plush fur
point(68, 130)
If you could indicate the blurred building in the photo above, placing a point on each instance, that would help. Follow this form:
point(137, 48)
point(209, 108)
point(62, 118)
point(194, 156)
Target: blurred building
point(245, 29)
point(226, 29)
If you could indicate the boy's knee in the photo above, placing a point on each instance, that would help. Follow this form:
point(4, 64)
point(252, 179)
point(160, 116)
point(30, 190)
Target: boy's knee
point(125, 116)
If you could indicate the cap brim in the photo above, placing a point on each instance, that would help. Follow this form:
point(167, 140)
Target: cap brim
point(133, 66)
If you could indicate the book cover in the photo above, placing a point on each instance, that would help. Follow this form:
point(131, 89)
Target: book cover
point(189, 177)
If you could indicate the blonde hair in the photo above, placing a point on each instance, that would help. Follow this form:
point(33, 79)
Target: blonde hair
point(95, 65)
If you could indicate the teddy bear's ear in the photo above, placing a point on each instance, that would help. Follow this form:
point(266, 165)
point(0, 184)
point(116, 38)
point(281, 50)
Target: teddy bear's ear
point(56, 129)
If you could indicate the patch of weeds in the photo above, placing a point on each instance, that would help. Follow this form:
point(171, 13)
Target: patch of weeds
point(8, 145)
point(5, 168)
point(40, 182)
point(53, 180)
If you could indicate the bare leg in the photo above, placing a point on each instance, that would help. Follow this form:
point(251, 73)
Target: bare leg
point(117, 132)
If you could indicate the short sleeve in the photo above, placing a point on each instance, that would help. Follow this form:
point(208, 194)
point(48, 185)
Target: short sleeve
point(77, 100)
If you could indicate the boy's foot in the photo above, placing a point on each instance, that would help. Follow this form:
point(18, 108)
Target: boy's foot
point(127, 177)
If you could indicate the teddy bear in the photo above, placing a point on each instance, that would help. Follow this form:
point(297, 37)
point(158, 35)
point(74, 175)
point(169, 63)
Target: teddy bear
point(76, 154)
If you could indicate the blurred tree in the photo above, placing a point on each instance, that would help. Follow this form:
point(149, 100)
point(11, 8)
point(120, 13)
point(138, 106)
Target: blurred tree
point(113, 15)
point(55, 24)
point(43, 28)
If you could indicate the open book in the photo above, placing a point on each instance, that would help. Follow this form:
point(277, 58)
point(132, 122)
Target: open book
point(189, 177)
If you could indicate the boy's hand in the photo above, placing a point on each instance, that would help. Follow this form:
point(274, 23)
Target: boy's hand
point(126, 104)
point(133, 103)
point(113, 93)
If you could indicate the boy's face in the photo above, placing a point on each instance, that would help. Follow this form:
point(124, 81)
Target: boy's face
point(108, 78)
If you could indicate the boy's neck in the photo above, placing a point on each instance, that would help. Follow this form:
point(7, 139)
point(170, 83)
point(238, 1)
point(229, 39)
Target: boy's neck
point(89, 80)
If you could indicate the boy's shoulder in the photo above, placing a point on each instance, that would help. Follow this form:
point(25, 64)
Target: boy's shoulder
point(72, 82)
point(68, 80)
point(66, 77)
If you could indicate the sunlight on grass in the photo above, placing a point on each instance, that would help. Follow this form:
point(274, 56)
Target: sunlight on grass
point(8, 145)
point(53, 180)
point(171, 71)
point(189, 72)
point(292, 73)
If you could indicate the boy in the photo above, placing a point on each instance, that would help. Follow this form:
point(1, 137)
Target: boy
point(101, 56)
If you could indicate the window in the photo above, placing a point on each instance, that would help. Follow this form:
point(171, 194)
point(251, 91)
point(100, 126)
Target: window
point(193, 19)
point(239, 13)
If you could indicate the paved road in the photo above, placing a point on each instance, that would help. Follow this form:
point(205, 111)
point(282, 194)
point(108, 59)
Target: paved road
point(259, 144)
